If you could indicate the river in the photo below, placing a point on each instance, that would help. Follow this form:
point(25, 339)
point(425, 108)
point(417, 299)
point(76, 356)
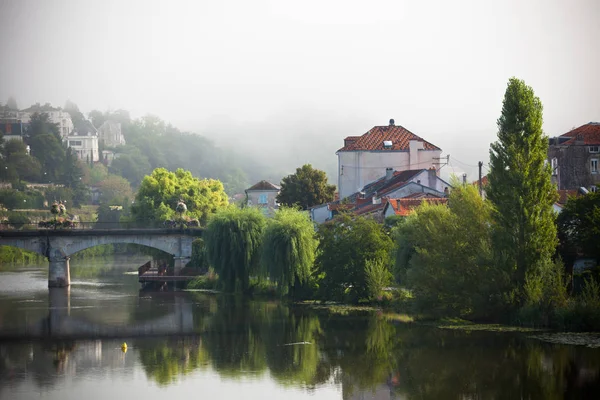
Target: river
point(61, 345)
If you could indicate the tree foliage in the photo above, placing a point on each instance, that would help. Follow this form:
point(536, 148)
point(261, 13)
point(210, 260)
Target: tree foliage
point(289, 248)
point(521, 191)
point(579, 228)
point(306, 188)
point(443, 254)
point(233, 241)
point(159, 193)
point(345, 245)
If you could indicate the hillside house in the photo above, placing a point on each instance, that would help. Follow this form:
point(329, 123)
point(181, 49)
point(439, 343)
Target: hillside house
point(110, 134)
point(55, 115)
point(363, 159)
point(405, 206)
point(574, 158)
point(263, 195)
point(83, 140)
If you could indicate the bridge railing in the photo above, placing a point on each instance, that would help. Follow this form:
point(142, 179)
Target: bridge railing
point(78, 225)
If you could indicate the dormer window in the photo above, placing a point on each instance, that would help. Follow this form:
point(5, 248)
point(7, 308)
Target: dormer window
point(387, 144)
point(594, 149)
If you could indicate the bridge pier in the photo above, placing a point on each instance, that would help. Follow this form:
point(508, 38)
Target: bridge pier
point(180, 262)
point(59, 273)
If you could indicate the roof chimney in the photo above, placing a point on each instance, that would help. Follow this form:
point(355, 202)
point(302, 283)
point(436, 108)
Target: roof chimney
point(392, 122)
point(389, 172)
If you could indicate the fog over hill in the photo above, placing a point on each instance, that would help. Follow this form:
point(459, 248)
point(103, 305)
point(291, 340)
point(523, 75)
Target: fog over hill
point(285, 82)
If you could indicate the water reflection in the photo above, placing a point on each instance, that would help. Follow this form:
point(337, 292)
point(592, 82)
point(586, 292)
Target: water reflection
point(365, 356)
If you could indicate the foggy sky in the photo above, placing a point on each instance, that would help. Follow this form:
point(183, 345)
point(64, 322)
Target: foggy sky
point(294, 78)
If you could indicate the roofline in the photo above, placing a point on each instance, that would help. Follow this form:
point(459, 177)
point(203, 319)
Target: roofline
point(387, 151)
point(262, 190)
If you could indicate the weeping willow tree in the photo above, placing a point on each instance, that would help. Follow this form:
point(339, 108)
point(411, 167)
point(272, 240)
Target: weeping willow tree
point(289, 248)
point(232, 243)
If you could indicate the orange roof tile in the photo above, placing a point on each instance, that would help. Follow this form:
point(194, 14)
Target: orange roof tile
point(563, 195)
point(405, 206)
point(373, 140)
point(589, 133)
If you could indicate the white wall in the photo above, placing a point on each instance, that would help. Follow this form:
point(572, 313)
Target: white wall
point(88, 147)
point(320, 214)
point(359, 168)
point(62, 118)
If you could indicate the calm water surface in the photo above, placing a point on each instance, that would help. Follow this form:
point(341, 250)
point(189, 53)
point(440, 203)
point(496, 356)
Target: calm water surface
point(67, 345)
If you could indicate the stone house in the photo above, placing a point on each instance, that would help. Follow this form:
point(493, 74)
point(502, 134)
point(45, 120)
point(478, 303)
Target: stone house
point(574, 158)
point(363, 159)
point(110, 134)
point(263, 195)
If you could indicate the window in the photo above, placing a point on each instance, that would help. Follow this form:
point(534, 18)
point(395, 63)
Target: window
point(593, 188)
point(594, 165)
point(594, 149)
point(262, 199)
point(74, 142)
point(554, 166)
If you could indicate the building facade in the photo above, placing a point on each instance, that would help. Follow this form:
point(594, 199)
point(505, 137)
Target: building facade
point(83, 141)
point(574, 158)
point(55, 115)
point(365, 158)
point(110, 134)
point(264, 196)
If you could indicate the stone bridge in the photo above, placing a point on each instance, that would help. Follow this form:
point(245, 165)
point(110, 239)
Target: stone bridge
point(59, 245)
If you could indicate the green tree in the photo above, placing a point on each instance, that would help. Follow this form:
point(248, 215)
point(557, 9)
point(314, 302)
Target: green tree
point(233, 240)
point(159, 193)
point(114, 189)
point(40, 124)
point(289, 249)
point(20, 165)
point(131, 165)
point(521, 193)
point(51, 154)
point(579, 229)
point(306, 188)
point(345, 245)
point(72, 177)
point(443, 254)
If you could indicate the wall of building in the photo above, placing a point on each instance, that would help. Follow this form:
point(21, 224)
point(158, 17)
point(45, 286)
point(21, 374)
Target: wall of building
point(62, 118)
point(270, 205)
point(574, 166)
point(320, 214)
point(358, 168)
point(85, 147)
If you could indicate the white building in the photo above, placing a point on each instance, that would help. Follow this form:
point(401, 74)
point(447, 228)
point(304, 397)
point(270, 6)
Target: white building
point(110, 133)
point(363, 159)
point(55, 115)
point(83, 140)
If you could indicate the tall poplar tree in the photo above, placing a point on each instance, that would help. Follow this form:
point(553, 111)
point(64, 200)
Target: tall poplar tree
point(522, 193)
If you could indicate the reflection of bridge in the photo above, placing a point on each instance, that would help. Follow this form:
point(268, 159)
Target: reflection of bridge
point(59, 245)
point(60, 324)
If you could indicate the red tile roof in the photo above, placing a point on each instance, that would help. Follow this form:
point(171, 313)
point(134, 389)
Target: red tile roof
point(373, 140)
point(589, 133)
point(484, 181)
point(563, 195)
point(371, 208)
point(405, 206)
point(264, 186)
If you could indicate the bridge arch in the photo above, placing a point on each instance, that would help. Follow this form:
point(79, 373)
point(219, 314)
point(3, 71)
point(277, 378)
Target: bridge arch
point(166, 244)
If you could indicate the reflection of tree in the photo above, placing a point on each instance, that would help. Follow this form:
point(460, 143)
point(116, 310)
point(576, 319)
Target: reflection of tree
point(233, 339)
point(291, 347)
point(445, 364)
point(164, 362)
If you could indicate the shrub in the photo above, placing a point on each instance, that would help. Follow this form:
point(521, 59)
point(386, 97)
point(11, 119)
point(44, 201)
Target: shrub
point(377, 277)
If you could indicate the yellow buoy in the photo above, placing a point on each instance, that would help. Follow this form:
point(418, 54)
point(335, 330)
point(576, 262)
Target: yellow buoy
point(124, 347)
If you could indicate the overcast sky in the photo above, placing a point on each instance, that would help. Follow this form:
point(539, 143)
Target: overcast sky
point(245, 71)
